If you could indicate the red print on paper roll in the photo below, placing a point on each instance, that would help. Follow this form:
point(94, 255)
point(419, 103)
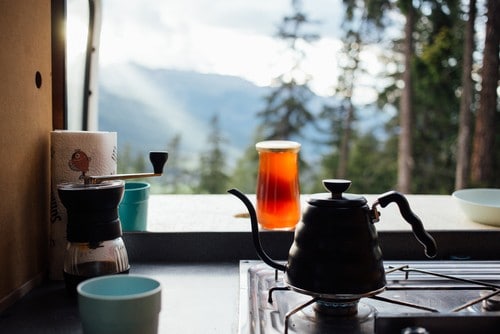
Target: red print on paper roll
point(79, 162)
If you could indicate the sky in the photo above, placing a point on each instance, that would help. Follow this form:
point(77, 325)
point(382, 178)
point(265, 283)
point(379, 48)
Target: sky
point(230, 37)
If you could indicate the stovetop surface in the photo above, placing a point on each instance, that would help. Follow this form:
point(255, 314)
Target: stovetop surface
point(443, 304)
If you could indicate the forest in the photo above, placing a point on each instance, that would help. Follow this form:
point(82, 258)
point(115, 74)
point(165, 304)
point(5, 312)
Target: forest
point(440, 80)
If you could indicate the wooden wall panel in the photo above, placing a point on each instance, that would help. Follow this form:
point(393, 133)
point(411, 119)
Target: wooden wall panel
point(25, 124)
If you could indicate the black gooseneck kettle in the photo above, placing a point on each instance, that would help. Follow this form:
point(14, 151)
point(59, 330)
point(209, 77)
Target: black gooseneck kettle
point(336, 253)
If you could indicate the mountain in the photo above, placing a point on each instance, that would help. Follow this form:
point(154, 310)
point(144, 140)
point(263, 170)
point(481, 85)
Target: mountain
point(148, 107)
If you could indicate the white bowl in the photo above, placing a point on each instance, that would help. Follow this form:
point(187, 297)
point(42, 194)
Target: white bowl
point(481, 205)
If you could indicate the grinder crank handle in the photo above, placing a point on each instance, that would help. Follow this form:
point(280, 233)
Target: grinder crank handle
point(158, 160)
point(418, 228)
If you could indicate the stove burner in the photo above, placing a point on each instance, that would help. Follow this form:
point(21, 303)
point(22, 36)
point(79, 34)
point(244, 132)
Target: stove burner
point(339, 307)
point(326, 315)
point(414, 330)
point(329, 317)
point(492, 303)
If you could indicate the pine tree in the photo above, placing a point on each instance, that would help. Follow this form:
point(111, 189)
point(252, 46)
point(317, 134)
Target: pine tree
point(436, 79)
point(125, 160)
point(213, 178)
point(466, 104)
point(427, 119)
point(178, 177)
point(405, 147)
point(244, 176)
point(286, 111)
point(361, 25)
point(482, 164)
point(350, 68)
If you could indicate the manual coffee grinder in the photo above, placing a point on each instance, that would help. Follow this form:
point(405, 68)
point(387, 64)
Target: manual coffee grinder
point(95, 246)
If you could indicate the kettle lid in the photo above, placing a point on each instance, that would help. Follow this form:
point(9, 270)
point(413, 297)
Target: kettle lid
point(336, 196)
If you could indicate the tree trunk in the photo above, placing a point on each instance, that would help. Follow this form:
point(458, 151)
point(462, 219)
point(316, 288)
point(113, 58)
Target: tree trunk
point(405, 154)
point(465, 116)
point(484, 135)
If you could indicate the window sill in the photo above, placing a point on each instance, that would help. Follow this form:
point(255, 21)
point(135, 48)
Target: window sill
point(205, 228)
point(219, 213)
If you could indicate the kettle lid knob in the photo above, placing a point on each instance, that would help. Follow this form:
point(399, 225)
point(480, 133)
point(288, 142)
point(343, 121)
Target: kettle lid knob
point(336, 187)
point(336, 196)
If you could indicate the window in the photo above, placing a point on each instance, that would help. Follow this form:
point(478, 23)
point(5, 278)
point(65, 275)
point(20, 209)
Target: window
point(175, 74)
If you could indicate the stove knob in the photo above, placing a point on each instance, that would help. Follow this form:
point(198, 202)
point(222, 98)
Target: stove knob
point(414, 330)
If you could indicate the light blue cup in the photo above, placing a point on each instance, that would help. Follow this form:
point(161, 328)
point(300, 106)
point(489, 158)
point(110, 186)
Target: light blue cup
point(119, 304)
point(133, 208)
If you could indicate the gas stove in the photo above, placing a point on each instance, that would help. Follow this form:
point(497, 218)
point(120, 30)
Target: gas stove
point(420, 297)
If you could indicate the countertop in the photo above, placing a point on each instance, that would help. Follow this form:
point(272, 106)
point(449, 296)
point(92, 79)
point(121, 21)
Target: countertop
point(193, 247)
point(196, 298)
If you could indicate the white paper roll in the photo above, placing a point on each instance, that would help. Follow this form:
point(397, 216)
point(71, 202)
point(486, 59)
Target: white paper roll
point(75, 154)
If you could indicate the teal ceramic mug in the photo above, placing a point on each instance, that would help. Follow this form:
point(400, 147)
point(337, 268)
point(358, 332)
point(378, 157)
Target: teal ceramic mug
point(133, 208)
point(119, 304)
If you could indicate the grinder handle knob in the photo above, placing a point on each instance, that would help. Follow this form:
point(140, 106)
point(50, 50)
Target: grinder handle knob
point(158, 160)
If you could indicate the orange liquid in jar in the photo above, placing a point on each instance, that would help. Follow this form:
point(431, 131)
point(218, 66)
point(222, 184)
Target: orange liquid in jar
point(278, 195)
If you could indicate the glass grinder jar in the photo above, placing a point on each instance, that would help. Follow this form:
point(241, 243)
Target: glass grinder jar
point(95, 246)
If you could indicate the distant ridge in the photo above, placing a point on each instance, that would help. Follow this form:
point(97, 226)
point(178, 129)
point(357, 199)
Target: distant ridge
point(148, 107)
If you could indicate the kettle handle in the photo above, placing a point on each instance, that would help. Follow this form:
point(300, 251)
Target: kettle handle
point(418, 228)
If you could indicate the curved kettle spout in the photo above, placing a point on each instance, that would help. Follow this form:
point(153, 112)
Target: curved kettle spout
point(255, 231)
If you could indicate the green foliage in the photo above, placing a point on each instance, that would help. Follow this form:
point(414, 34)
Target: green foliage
point(436, 80)
point(124, 159)
point(286, 111)
point(129, 162)
point(334, 115)
point(342, 138)
point(245, 173)
point(178, 178)
point(372, 165)
point(212, 176)
point(436, 77)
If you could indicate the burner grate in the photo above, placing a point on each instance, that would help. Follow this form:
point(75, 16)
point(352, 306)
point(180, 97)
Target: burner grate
point(417, 293)
point(471, 284)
